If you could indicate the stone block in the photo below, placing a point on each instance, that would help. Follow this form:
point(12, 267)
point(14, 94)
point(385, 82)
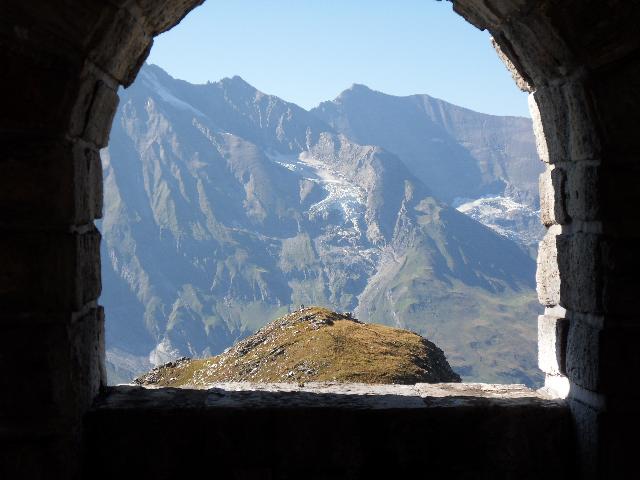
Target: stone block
point(120, 44)
point(580, 270)
point(587, 423)
point(583, 192)
point(540, 48)
point(569, 271)
point(603, 360)
point(620, 295)
point(477, 14)
point(42, 90)
point(54, 369)
point(538, 128)
point(506, 10)
point(550, 123)
point(547, 272)
point(620, 360)
point(590, 29)
point(161, 15)
point(510, 61)
point(524, 437)
point(619, 195)
point(39, 456)
point(489, 14)
point(582, 127)
point(46, 27)
point(566, 129)
point(552, 196)
point(618, 442)
point(552, 343)
point(583, 355)
point(49, 182)
point(56, 93)
point(620, 277)
point(49, 271)
point(93, 113)
point(620, 256)
point(617, 96)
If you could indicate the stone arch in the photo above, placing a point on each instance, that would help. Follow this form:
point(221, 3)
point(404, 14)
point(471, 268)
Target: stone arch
point(62, 67)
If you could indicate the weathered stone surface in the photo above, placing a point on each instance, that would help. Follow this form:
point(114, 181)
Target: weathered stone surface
point(53, 368)
point(548, 274)
point(583, 355)
point(567, 125)
point(579, 267)
point(590, 32)
point(568, 274)
point(619, 195)
point(49, 271)
point(37, 455)
point(541, 50)
point(588, 425)
point(620, 360)
point(620, 295)
point(618, 103)
point(552, 342)
point(538, 128)
point(48, 98)
point(59, 377)
point(320, 395)
point(490, 13)
point(164, 14)
point(93, 114)
point(516, 70)
point(120, 44)
point(358, 431)
point(45, 49)
point(552, 196)
point(582, 192)
point(64, 179)
point(602, 360)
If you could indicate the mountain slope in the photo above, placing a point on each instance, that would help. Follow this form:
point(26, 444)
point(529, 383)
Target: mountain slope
point(455, 151)
point(225, 206)
point(314, 345)
point(461, 155)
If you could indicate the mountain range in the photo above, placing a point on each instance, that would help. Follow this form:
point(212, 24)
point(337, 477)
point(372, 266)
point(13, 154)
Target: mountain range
point(226, 207)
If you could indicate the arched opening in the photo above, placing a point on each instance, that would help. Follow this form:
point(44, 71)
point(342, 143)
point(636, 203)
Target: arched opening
point(63, 69)
point(228, 206)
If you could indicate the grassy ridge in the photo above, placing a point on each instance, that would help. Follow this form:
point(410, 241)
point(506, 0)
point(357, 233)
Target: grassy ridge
point(315, 344)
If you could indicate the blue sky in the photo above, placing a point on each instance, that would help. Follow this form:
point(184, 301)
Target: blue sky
point(308, 51)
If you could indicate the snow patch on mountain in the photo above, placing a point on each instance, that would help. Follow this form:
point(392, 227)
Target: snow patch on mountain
point(163, 352)
point(150, 80)
point(504, 215)
point(342, 196)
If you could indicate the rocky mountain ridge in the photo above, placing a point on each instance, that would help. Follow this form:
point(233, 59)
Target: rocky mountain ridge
point(225, 206)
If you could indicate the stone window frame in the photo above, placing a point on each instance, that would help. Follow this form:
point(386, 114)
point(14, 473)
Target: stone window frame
point(59, 117)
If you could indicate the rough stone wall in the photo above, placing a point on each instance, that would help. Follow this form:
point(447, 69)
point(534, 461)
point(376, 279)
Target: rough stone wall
point(581, 62)
point(62, 64)
point(331, 431)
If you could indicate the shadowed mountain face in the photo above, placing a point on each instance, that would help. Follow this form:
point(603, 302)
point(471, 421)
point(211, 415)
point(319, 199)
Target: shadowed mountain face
point(225, 206)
